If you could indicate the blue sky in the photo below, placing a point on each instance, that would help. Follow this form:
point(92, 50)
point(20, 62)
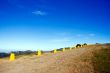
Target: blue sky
point(49, 24)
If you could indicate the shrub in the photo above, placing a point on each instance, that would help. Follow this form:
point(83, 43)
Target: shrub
point(78, 45)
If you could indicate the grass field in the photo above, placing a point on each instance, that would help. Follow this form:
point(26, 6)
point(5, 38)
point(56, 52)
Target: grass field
point(88, 59)
point(101, 61)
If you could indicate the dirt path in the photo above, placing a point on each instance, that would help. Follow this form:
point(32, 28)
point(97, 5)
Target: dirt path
point(70, 61)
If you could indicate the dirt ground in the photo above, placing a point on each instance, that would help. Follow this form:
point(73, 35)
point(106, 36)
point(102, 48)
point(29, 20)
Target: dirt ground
point(70, 61)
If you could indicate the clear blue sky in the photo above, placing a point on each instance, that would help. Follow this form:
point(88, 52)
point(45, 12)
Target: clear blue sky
point(49, 24)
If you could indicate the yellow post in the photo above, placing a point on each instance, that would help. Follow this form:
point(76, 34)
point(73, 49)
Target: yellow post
point(63, 49)
point(12, 57)
point(55, 51)
point(39, 52)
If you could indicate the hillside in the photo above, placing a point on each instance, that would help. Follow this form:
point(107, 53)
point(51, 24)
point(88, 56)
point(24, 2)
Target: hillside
point(78, 60)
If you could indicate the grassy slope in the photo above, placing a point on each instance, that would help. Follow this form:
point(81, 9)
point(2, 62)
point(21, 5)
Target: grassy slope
point(84, 60)
point(101, 61)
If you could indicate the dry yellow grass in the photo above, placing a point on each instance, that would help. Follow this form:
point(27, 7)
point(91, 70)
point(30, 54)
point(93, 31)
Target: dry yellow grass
point(70, 61)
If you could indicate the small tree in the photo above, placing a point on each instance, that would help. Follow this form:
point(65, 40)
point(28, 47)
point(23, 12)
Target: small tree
point(78, 45)
point(84, 44)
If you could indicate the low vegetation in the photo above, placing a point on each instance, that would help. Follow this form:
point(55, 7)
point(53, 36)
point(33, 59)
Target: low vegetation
point(101, 61)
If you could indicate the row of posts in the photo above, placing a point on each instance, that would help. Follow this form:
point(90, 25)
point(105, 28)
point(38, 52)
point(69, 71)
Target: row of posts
point(12, 55)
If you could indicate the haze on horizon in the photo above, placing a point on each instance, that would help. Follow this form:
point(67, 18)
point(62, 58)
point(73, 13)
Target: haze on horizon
point(49, 24)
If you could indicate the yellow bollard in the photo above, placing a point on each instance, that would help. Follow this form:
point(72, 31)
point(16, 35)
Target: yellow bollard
point(63, 49)
point(12, 57)
point(39, 53)
point(55, 51)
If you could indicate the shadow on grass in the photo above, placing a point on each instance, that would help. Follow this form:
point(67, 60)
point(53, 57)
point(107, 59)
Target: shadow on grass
point(101, 61)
